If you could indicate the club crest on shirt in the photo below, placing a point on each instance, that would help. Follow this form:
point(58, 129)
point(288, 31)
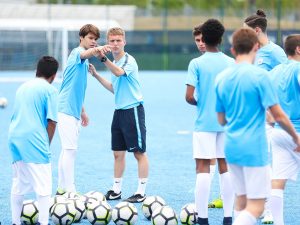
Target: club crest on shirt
point(259, 61)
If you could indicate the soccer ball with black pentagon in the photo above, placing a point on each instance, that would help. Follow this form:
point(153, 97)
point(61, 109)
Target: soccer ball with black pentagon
point(63, 213)
point(164, 215)
point(150, 204)
point(30, 213)
point(79, 207)
point(70, 194)
point(56, 199)
point(97, 195)
point(124, 213)
point(99, 213)
point(187, 214)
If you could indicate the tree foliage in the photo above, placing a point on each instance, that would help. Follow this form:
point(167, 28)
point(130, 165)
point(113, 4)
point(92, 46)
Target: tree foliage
point(200, 4)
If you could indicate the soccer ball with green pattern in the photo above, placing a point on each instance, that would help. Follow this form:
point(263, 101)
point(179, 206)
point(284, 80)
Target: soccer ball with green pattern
point(79, 207)
point(99, 213)
point(164, 215)
point(124, 213)
point(187, 214)
point(150, 204)
point(63, 213)
point(30, 212)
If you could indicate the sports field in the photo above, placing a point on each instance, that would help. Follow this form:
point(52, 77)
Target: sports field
point(169, 121)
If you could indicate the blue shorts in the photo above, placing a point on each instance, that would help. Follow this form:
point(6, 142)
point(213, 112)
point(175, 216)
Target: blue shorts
point(128, 130)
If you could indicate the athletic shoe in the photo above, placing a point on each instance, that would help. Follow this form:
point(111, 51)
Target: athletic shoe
point(202, 221)
point(60, 191)
point(227, 221)
point(217, 203)
point(268, 218)
point(136, 198)
point(111, 195)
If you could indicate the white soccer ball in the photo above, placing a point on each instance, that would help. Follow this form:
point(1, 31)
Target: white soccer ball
point(164, 215)
point(97, 195)
point(124, 213)
point(30, 213)
point(99, 213)
point(188, 214)
point(79, 207)
point(63, 213)
point(3, 102)
point(56, 199)
point(70, 194)
point(150, 204)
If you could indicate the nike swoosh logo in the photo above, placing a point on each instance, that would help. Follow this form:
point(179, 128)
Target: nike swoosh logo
point(143, 182)
point(130, 149)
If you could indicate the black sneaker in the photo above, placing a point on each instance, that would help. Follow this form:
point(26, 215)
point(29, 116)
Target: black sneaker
point(111, 195)
point(202, 221)
point(227, 221)
point(136, 198)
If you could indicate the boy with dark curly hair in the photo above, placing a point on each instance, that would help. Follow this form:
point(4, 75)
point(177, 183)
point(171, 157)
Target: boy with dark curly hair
point(208, 136)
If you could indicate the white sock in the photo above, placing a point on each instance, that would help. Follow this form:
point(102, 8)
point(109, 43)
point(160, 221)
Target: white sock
point(276, 206)
point(16, 202)
point(236, 213)
point(202, 191)
point(142, 186)
point(43, 206)
point(68, 163)
point(245, 218)
point(227, 194)
point(117, 186)
point(60, 171)
point(212, 169)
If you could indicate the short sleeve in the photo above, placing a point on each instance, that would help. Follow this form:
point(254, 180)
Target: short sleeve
point(192, 76)
point(52, 100)
point(267, 91)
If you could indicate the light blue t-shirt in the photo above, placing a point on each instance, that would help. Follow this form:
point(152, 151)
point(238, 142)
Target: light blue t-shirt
point(286, 79)
point(35, 103)
point(202, 72)
point(244, 92)
point(72, 90)
point(269, 56)
point(127, 87)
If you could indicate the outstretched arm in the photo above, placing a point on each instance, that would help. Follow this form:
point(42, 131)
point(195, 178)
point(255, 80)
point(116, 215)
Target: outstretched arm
point(94, 51)
point(105, 83)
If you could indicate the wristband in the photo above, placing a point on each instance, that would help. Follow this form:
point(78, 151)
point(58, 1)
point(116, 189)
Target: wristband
point(103, 59)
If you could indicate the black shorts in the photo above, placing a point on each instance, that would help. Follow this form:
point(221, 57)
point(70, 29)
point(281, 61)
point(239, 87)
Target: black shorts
point(128, 130)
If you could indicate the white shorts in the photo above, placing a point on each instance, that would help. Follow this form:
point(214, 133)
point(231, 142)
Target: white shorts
point(68, 129)
point(31, 177)
point(254, 182)
point(208, 145)
point(286, 162)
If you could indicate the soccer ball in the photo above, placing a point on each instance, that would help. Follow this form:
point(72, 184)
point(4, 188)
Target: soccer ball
point(63, 213)
point(99, 213)
point(30, 213)
point(97, 195)
point(187, 214)
point(164, 215)
point(124, 213)
point(79, 207)
point(150, 204)
point(56, 199)
point(69, 194)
